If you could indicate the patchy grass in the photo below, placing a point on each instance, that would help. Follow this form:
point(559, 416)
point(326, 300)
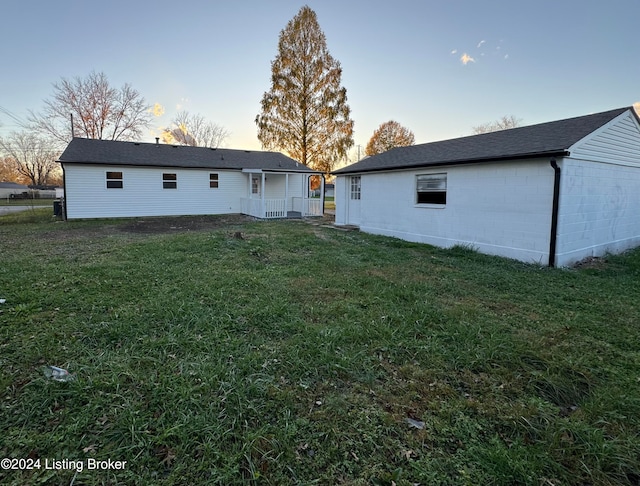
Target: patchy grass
point(287, 353)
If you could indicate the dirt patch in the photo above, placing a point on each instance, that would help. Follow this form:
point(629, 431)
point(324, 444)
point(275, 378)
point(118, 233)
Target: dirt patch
point(597, 263)
point(181, 224)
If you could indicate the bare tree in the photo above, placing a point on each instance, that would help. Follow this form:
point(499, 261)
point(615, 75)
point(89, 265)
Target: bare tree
point(32, 156)
point(387, 136)
point(99, 110)
point(194, 130)
point(503, 123)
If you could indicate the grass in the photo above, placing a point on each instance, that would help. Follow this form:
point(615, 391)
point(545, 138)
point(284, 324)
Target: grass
point(287, 353)
point(26, 202)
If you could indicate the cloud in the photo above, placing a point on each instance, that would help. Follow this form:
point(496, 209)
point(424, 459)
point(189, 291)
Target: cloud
point(480, 43)
point(466, 59)
point(157, 110)
point(455, 51)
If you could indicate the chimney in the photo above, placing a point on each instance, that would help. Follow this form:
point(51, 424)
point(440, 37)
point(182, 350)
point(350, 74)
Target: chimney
point(157, 140)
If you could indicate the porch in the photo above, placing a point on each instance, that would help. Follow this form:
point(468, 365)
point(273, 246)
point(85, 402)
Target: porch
point(274, 194)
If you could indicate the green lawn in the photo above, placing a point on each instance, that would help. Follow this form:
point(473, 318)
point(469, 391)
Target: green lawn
point(226, 351)
point(26, 202)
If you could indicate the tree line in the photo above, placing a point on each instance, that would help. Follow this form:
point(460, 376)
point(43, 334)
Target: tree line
point(303, 114)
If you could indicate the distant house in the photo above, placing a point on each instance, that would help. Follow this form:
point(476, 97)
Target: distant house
point(106, 179)
point(329, 190)
point(9, 189)
point(554, 193)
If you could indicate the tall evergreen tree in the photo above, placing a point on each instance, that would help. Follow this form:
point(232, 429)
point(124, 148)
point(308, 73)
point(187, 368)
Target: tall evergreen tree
point(305, 113)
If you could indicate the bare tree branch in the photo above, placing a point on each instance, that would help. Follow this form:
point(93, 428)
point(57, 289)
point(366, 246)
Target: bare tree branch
point(194, 130)
point(32, 156)
point(99, 110)
point(503, 123)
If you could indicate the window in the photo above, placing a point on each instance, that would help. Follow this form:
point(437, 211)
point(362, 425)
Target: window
point(355, 187)
point(169, 181)
point(431, 189)
point(213, 181)
point(114, 180)
point(255, 185)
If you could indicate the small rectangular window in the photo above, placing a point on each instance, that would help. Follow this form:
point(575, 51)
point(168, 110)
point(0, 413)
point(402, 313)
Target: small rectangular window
point(355, 187)
point(255, 185)
point(431, 188)
point(213, 181)
point(169, 181)
point(114, 180)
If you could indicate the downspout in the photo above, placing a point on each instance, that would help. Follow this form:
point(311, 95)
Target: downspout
point(554, 213)
point(64, 197)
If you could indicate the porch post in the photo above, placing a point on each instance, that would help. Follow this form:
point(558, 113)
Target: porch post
point(286, 194)
point(264, 209)
point(322, 195)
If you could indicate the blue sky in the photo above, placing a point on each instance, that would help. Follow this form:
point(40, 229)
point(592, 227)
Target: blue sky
point(437, 67)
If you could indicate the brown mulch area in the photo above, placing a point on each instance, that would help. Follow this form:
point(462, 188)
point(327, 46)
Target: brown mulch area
point(181, 224)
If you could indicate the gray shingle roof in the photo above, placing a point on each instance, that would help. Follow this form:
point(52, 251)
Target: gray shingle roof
point(13, 185)
point(108, 152)
point(545, 139)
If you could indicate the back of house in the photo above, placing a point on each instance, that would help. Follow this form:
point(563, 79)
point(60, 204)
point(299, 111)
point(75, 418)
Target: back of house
point(106, 179)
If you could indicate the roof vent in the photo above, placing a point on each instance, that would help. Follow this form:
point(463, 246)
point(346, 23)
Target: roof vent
point(136, 143)
point(157, 140)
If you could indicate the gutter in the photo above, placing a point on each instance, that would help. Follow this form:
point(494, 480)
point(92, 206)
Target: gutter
point(554, 213)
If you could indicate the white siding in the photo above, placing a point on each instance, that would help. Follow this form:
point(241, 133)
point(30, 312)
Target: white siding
point(143, 194)
point(496, 208)
point(618, 142)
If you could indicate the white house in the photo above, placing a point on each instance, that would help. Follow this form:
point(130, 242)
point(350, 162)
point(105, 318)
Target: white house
point(554, 193)
point(106, 179)
point(7, 189)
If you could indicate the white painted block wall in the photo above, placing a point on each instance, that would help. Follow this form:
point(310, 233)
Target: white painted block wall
point(599, 210)
point(498, 208)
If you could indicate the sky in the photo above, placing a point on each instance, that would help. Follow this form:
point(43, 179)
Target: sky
point(438, 67)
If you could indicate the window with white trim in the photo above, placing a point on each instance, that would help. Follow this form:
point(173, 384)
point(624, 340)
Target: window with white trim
point(255, 185)
point(114, 180)
point(355, 187)
point(431, 189)
point(169, 180)
point(213, 181)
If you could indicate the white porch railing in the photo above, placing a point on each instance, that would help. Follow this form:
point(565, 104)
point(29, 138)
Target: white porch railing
point(273, 208)
point(277, 208)
point(307, 207)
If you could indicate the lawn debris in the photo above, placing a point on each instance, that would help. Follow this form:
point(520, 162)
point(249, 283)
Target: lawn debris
point(2, 301)
point(58, 374)
point(418, 424)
